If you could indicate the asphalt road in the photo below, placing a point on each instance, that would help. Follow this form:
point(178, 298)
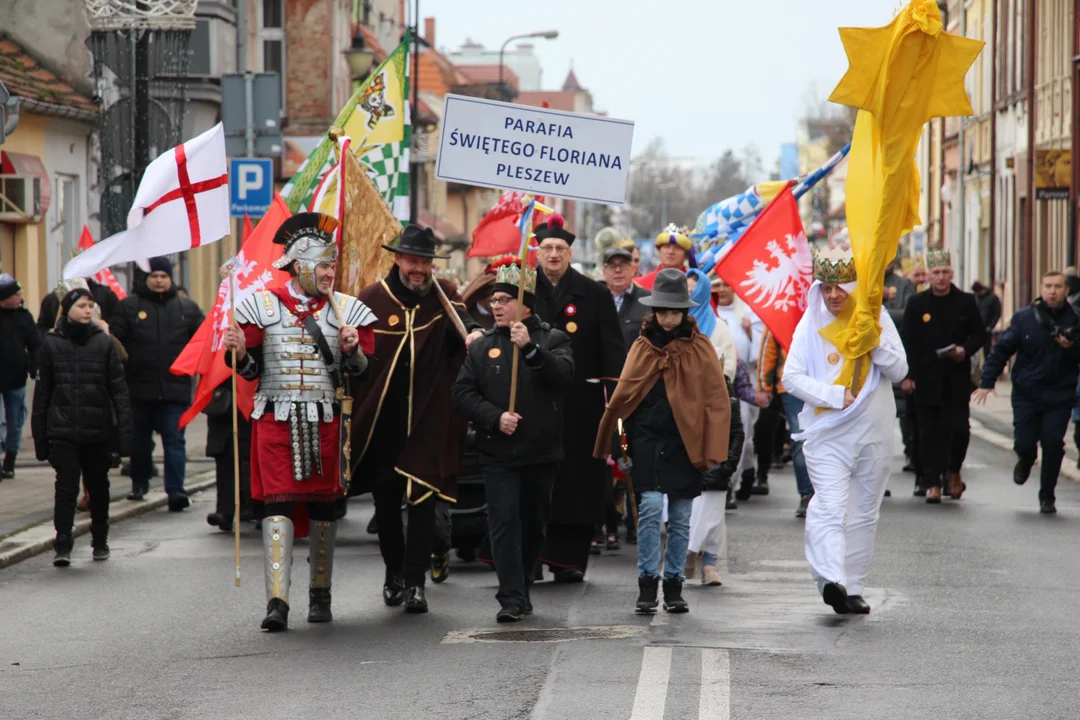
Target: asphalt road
point(975, 615)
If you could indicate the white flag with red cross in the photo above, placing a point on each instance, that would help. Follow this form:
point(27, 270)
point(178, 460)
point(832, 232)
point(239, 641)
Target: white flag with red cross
point(182, 203)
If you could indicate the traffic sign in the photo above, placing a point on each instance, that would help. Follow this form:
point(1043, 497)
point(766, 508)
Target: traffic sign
point(251, 186)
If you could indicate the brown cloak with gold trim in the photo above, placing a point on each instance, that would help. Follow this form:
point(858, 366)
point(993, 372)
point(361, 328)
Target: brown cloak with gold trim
point(428, 442)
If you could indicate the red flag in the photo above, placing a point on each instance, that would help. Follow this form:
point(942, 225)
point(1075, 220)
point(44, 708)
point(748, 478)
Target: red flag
point(498, 233)
point(204, 354)
point(248, 229)
point(104, 276)
point(770, 267)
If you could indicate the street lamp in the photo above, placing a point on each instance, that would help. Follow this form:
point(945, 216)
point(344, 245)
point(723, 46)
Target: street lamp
point(359, 57)
point(546, 34)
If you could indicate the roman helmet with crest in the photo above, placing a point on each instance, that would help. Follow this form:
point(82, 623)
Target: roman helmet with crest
point(309, 242)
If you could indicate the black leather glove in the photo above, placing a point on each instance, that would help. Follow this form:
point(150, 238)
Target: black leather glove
point(41, 451)
point(716, 478)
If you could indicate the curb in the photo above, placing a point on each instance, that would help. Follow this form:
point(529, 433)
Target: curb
point(1003, 442)
point(38, 539)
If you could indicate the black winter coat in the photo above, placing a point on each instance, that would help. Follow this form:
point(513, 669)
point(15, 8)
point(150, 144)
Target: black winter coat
point(154, 328)
point(584, 310)
point(931, 323)
point(1044, 372)
point(219, 437)
point(632, 314)
point(19, 343)
point(105, 299)
point(482, 394)
point(80, 396)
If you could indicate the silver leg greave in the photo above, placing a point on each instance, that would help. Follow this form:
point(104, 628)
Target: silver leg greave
point(277, 548)
point(321, 553)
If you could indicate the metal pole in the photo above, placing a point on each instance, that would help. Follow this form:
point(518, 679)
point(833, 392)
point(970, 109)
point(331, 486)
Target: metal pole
point(414, 76)
point(241, 35)
point(249, 112)
point(961, 173)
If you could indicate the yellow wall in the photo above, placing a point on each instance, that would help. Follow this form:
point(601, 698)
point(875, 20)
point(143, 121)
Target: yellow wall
point(29, 266)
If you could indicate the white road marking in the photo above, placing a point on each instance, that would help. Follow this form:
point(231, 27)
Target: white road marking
point(715, 702)
point(652, 684)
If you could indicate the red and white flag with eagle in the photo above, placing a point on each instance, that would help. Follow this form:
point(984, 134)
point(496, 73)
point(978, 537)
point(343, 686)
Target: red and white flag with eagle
point(182, 203)
point(770, 267)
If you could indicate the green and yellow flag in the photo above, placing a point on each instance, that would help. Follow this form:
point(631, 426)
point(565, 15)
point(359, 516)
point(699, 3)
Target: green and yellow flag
point(900, 76)
point(378, 121)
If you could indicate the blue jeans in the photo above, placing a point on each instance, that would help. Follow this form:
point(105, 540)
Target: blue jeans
point(650, 516)
point(164, 418)
point(14, 417)
point(792, 407)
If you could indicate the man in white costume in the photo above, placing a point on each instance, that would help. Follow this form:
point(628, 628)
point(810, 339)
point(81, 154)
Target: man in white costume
point(848, 439)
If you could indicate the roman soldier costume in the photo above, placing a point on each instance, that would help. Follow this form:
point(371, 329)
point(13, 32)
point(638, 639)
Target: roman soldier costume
point(292, 336)
point(408, 438)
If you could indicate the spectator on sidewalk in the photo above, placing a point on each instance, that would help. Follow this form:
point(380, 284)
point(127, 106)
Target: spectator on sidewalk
point(154, 324)
point(1044, 338)
point(19, 344)
point(81, 414)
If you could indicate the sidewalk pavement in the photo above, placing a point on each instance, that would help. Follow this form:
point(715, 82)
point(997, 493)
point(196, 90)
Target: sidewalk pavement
point(27, 499)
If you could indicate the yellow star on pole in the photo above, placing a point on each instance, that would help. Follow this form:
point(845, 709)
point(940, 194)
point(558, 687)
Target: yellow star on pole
point(899, 76)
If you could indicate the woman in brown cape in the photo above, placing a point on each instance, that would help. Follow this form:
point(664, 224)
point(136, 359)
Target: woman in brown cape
point(673, 402)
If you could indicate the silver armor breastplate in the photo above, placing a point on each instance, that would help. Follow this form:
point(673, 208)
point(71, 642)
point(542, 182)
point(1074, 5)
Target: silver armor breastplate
point(293, 370)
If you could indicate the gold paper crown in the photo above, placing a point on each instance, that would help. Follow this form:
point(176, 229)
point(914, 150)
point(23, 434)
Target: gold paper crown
point(938, 258)
point(510, 274)
point(833, 265)
point(674, 235)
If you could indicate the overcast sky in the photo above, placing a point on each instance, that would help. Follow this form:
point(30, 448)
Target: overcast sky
point(705, 75)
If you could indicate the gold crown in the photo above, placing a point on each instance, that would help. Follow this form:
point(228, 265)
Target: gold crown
point(510, 274)
point(938, 258)
point(833, 265)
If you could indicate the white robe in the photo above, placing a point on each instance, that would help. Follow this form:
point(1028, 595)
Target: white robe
point(848, 452)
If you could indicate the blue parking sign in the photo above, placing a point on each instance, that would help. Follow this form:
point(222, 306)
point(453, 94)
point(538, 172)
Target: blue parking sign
point(251, 186)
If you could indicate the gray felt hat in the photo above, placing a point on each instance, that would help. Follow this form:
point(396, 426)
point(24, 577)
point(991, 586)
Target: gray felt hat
point(669, 291)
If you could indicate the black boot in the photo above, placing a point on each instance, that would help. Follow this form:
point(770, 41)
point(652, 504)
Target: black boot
point(746, 486)
point(9, 466)
point(646, 599)
point(393, 591)
point(415, 602)
point(277, 615)
point(835, 595)
point(673, 600)
point(440, 567)
point(99, 533)
point(761, 487)
point(319, 606)
point(62, 545)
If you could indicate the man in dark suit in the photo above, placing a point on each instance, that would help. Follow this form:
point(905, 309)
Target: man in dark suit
point(582, 308)
point(942, 331)
point(619, 278)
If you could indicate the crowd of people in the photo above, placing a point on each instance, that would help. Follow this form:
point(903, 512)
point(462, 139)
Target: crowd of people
point(641, 405)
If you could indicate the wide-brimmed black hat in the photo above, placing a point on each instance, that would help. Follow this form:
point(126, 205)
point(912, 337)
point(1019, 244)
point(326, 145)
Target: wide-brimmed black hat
point(670, 291)
point(418, 241)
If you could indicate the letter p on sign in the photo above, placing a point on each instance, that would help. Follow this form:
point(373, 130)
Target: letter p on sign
point(251, 178)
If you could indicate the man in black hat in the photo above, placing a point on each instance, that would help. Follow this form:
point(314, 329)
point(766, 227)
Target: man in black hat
point(407, 440)
point(583, 309)
point(154, 324)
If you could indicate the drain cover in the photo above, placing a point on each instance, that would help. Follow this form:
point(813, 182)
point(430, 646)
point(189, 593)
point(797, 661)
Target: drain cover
point(546, 635)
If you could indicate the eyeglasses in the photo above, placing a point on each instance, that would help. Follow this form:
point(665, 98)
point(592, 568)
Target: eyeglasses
point(502, 300)
point(557, 250)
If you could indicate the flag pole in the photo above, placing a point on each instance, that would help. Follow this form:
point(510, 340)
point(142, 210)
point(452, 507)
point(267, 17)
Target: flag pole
point(235, 420)
point(526, 227)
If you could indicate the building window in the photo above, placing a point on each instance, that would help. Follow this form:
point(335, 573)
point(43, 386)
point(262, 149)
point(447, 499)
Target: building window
point(272, 35)
point(68, 218)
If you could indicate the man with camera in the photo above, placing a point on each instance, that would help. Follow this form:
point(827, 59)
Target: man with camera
point(942, 330)
point(1044, 338)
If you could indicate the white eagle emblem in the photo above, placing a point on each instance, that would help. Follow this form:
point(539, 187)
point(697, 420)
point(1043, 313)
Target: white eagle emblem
point(781, 282)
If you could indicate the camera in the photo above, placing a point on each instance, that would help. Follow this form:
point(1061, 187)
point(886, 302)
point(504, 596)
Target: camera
point(1072, 334)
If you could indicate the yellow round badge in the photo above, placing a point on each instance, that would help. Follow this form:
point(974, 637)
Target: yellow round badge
point(571, 327)
point(142, 314)
point(494, 353)
point(926, 317)
point(833, 358)
point(393, 320)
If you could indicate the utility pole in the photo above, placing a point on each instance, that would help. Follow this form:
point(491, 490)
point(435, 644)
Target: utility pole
point(414, 77)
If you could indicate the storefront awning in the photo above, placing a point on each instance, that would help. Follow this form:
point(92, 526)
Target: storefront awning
point(14, 163)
